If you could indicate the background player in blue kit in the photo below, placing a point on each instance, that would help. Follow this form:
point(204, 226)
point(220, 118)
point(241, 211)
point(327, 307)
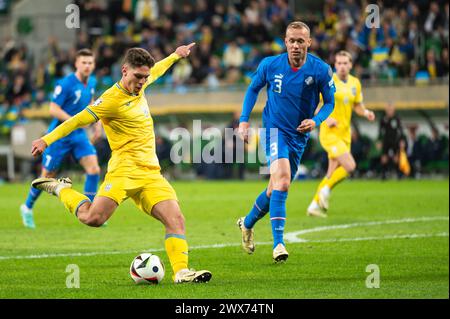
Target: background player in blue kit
point(71, 95)
point(294, 82)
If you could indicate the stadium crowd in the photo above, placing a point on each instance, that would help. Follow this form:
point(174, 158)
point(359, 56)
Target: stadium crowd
point(232, 38)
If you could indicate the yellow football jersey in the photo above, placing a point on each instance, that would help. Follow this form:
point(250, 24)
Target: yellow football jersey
point(127, 122)
point(128, 125)
point(347, 95)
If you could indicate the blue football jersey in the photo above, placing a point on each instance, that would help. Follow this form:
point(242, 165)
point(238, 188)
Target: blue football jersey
point(292, 94)
point(72, 96)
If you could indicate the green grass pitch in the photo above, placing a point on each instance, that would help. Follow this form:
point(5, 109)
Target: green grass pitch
point(400, 226)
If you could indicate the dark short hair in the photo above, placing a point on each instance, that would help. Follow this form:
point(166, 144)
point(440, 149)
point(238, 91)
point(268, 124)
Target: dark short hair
point(84, 52)
point(137, 57)
point(298, 25)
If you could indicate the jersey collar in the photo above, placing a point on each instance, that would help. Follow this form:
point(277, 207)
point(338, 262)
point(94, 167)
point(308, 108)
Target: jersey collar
point(124, 90)
point(296, 69)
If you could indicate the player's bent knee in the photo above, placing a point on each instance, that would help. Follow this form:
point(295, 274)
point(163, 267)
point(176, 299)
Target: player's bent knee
point(93, 170)
point(283, 184)
point(351, 167)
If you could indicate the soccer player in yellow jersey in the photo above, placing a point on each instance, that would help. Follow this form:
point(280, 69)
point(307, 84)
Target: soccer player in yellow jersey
point(335, 132)
point(133, 170)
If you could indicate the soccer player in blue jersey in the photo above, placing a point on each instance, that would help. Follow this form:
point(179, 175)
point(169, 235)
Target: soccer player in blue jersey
point(294, 83)
point(71, 95)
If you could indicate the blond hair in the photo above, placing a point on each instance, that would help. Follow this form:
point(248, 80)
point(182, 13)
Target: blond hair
point(298, 25)
point(345, 53)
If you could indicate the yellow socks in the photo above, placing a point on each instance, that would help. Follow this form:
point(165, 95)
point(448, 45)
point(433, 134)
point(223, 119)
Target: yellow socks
point(72, 199)
point(177, 250)
point(323, 183)
point(338, 175)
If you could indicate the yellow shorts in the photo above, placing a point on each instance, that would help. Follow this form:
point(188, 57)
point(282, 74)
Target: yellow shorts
point(335, 146)
point(146, 189)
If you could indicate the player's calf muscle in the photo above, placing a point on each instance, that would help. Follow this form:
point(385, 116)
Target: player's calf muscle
point(176, 225)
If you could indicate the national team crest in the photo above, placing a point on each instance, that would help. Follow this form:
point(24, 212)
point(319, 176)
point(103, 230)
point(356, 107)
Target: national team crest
point(97, 102)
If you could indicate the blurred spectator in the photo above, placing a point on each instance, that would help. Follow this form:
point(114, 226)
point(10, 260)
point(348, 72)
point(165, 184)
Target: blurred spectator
point(202, 13)
point(412, 42)
point(92, 13)
point(146, 10)
point(252, 12)
point(181, 73)
point(19, 91)
point(235, 146)
point(434, 18)
point(233, 56)
point(391, 138)
point(414, 151)
point(215, 73)
point(199, 71)
point(436, 145)
point(105, 60)
point(360, 149)
point(444, 61)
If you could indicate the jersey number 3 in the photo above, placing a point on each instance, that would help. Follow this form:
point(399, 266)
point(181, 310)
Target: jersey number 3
point(278, 82)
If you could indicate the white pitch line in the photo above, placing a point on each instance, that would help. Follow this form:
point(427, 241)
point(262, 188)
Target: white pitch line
point(290, 237)
point(405, 236)
point(293, 236)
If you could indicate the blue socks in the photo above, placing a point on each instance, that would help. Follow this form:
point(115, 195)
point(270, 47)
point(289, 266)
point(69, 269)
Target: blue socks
point(91, 185)
point(278, 215)
point(259, 210)
point(32, 197)
point(277, 205)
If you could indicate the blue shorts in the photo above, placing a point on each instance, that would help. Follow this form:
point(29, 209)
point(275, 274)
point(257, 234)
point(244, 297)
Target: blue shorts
point(78, 145)
point(278, 145)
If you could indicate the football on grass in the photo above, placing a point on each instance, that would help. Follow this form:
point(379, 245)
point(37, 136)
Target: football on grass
point(147, 268)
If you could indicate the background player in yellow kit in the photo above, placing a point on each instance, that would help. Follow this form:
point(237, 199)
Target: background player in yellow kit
point(335, 132)
point(133, 170)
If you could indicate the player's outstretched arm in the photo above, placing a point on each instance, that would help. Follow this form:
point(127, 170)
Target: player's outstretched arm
point(162, 66)
point(80, 120)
